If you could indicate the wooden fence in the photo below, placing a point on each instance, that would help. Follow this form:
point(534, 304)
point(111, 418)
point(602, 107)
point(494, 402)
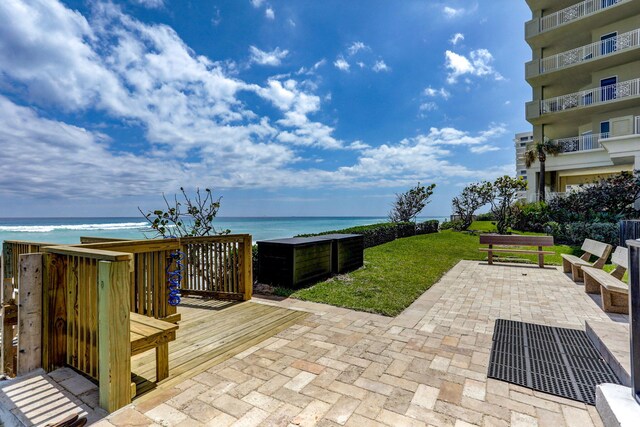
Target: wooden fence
point(217, 267)
point(11, 251)
point(85, 316)
point(89, 290)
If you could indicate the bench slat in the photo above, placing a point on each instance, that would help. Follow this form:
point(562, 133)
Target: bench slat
point(520, 251)
point(607, 280)
point(595, 248)
point(515, 240)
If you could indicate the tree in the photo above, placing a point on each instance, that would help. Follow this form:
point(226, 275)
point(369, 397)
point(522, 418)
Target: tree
point(539, 151)
point(409, 204)
point(503, 195)
point(472, 198)
point(196, 220)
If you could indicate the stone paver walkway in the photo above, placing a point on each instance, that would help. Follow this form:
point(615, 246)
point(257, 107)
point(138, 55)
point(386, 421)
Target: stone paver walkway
point(426, 367)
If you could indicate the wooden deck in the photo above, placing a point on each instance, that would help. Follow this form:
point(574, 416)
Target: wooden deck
point(211, 332)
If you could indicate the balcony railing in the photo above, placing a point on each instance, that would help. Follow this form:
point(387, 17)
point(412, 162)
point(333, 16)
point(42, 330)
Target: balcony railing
point(576, 11)
point(593, 96)
point(581, 143)
point(590, 51)
point(637, 127)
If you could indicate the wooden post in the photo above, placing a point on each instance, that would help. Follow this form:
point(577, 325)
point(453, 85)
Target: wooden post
point(54, 311)
point(247, 268)
point(540, 258)
point(8, 316)
point(114, 344)
point(29, 313)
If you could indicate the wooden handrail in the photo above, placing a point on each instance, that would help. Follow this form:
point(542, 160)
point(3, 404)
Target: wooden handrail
point(89, 253)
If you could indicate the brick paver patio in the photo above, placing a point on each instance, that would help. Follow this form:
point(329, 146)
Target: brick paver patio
point(426, 367)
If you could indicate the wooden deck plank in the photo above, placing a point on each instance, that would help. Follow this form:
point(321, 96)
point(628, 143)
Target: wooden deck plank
point(182, 351)
point(215, 328)
point(209, 333)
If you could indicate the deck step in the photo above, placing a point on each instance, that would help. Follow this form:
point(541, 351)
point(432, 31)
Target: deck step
point(612, 342)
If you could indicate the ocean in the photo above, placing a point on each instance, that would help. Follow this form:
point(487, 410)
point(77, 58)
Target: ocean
point(69, 230)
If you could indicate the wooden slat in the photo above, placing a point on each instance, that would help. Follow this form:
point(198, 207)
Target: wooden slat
point(621, 257)
point(54, 312)
point(208, 336)
point(515, 240)
point(519, 251)
point(89, 253)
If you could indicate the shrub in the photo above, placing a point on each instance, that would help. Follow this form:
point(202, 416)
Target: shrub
point(485, 217)
point(405, 229)
point(377, 234)
point(530, 216)
point(456, 224)
point(427, 227)
point(574, 233)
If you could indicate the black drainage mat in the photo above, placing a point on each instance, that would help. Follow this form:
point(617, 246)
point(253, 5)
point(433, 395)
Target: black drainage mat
point(552, 360)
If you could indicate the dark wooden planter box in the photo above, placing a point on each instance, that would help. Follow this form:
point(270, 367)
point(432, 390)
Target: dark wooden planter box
point(295, 262)
point(347, 252)
point(299, 261)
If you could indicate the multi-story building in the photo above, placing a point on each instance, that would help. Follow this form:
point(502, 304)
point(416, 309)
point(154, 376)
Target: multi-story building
point(585, 75)
point(521, 141)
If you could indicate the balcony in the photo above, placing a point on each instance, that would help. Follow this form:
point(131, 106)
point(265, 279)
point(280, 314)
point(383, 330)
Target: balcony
point(596, 99)
point(581, 143)
point(583, 17)
point(620, 46)
point(574, 12)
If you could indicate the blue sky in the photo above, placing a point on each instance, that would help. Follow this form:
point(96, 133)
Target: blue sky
point(282, 107)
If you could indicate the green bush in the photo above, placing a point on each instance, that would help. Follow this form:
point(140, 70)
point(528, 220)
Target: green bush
point(427, 227)
point(456, 224)
point(530, 216)
point(485, 217)
point(574, 233)
point(377, 234)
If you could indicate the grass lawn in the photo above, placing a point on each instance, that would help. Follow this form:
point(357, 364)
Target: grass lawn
point(396, 273)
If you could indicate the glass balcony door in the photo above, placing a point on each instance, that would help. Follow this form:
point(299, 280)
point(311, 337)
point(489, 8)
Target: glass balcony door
point(608, 88)
point(608, 43)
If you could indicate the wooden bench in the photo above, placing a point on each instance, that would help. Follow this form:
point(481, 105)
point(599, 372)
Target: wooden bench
point(148, 333)
point(574, 264)
point(614, 292)
point(504, 241)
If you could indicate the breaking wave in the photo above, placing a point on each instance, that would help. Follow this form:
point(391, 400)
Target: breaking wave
point(62, 227)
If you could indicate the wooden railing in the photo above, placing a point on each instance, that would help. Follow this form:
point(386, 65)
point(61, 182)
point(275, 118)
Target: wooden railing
point(217, 266)
point(11, 251)
point(85, 315)
point(149, 291)
point(88, 292)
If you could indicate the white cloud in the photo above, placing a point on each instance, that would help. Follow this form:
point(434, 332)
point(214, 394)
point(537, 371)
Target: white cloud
point(477, 64)
point(358, 145)
point(217, 17)
point(291, 22)
point(456, 38)
point(356, 47)
point(273, 58)
point(341, 64)
point(269, 13)
point(380, 66)
point(483, 149)
point(437, 93)
point(257, 3)
point(151, 4)
point(428, 106)
point(451, 12)
point(196, 128)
